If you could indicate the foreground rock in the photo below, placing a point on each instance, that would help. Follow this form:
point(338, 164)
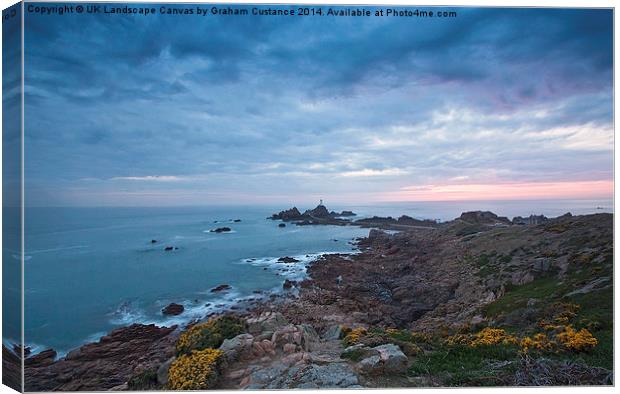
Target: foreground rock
point(105, 364)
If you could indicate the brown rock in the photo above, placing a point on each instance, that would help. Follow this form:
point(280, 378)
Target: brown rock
point(173, 309)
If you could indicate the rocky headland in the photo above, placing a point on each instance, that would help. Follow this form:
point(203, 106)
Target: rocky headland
point(476, 301)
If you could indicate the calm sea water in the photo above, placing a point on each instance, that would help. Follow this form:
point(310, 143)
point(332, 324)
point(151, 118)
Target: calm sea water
point(89, 270)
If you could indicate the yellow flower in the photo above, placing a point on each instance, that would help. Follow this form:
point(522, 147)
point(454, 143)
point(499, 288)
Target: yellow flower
point(578, 341)
point(354, 336)
point(196, 371)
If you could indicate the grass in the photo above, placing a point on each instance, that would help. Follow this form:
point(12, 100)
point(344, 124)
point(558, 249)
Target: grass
point(466, 366)
point(597, 307)
point(545, 288)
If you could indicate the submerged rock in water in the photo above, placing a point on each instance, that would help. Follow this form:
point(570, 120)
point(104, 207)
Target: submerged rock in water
point(287, 260)
point(173, 309)
point(222, 287)
point(221, 230)
point(282, 225)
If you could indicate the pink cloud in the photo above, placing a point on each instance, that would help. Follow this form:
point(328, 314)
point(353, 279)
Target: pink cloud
point(505, 191)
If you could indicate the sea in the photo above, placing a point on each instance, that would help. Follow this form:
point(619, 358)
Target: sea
point(88, 271)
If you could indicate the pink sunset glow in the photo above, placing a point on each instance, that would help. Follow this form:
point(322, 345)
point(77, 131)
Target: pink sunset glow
point(505, 191)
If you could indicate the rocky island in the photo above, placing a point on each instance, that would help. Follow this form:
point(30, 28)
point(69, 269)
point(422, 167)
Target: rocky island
point(480, 300)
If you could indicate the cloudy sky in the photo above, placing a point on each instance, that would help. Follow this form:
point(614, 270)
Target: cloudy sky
point(168, 110)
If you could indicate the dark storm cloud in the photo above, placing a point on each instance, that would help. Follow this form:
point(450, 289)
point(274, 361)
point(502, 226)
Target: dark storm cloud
point(240, 103)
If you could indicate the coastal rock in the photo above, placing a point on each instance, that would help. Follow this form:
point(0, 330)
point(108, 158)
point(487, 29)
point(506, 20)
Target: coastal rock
point(532, 219)
point(287, 215)
point(173, 309)
point(238, 348)
point(221, 230)
point(289, 284)
point(320, 212)
point(223, 287)
point(162, 371)
point(383, 359)
point(281, 225)
point(168, 248)
point(44, 358)
point(11, 369)
point(110, 362)
point(392, 358)
point(267, 321)
point(287, 260)
point(483, 217)
point(370, 365)
point(333, 333)
point(153, 241)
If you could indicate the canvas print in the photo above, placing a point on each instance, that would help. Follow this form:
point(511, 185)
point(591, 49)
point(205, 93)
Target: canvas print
point(238, 196)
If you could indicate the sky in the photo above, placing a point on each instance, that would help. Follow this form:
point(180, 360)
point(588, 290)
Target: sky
point(168, 110)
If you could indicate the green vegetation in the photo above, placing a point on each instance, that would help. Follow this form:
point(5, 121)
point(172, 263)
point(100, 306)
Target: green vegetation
point(146, 380)
point(466, 366)
point(210, 334)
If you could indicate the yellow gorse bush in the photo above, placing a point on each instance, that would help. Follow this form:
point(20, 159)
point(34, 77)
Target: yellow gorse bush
point(538, 342)
point(486, 337)
point(493, 336)
point(579, 341)
point(354, 336)
point(195, 371)
point(209, 335)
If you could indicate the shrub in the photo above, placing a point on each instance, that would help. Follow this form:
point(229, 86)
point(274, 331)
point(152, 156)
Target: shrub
point(579, 341)
point(354, 336)
point(145, 380)
point(196, 371)
point(538, 342)
point(210, 334)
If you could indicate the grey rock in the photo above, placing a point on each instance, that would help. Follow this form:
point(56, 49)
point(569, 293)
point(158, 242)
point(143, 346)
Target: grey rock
point(370, 365)
point(333, 333)
point(238, 347)
point(162, 371)
point(393, 359)
point(267, 321)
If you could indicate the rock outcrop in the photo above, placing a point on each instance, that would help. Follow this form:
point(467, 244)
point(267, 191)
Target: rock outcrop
point(173, 309)
point(105, 364)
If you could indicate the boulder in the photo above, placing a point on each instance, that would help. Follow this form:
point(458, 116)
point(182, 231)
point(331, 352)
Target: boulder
point(173, 309)
point(267, 321)
point(333, 333)
point(221, 230)
point(383, 359)
point(370, 365)
point(238, 348)
point(281, 225)
point(393, 359)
